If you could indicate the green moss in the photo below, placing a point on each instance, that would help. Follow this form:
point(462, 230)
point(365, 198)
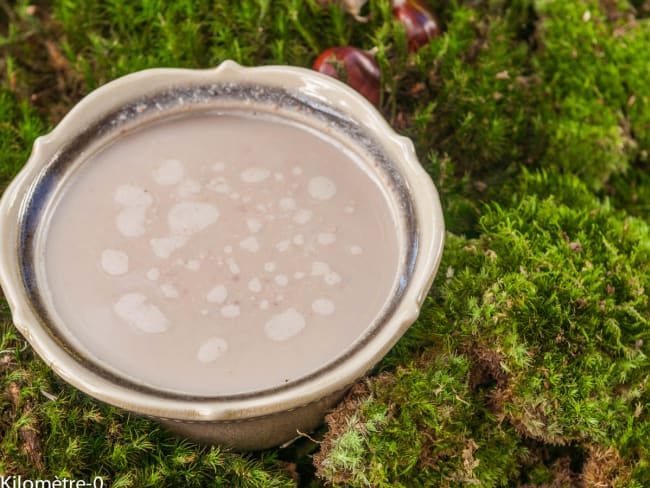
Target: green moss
point(634, 63)
point(347, 457)
point(565, 308)
point(108, 39)
point(481, 96)
point(632, 191)
point(19, 126)
point(591, 71)
point(422, 426)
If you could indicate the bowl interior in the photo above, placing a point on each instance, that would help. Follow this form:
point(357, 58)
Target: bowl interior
point(219, 101)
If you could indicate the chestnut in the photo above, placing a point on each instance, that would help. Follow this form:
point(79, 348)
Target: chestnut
point(421, 25)
point(353, 66)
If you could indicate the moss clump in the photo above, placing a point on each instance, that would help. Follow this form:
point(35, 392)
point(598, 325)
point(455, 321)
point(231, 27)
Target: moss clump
point(549, 313)
point(632, 191)
point(561, 301)
point(421, 426)
point(593, 71)
point(478, 116)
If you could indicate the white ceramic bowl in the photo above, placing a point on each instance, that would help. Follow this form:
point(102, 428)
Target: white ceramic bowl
point(245, 421)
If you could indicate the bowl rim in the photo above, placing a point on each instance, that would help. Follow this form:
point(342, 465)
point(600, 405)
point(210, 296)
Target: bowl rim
point(334, 377)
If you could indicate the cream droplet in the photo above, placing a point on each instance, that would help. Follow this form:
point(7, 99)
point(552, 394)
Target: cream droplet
point(169, 172)
point(211, 349)
point(332, 278)
point(356, 250)
point(218, 166)
point(326, 238)
point(153, 274)
point(114, 262)
point(187, 218)
point(163, 247)
point(323, 306)
point(217, 294)
point(230, 311)
point(130, 222)
point(255, 175)
point(135, 310)
point(281, 280)
point(321, 188)
point(233, 267)
point(188, 188)
point(254, 225)
point(287, 203)
point(319, 268)
point(250, 244)
point(284, 326)
point(302, 216)
point(217, 185)
point(132, 196)
point(255, 285)
point(169, 290)
point(270, 267)
point(283, 246)
point(135, 202)
point(299, 239)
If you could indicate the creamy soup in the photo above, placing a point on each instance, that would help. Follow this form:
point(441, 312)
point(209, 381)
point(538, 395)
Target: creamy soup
point(218, 254)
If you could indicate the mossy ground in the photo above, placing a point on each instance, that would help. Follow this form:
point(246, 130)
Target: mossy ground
point(529, 363)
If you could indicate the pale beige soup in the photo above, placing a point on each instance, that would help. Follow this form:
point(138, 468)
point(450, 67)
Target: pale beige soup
point(220, 254)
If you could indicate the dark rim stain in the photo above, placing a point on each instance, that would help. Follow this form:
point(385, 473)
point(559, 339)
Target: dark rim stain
point(176, 101)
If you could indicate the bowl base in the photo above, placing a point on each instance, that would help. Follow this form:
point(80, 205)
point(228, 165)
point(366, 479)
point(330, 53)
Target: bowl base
point(256, 433)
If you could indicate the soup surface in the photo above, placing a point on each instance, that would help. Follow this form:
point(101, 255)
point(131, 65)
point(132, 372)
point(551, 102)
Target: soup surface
point(219, 253)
